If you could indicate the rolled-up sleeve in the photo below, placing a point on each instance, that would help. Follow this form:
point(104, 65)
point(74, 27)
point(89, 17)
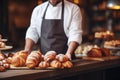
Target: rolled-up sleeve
point(32, 32)
point(75, 29)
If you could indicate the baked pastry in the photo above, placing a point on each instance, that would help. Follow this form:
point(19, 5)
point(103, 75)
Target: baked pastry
point(62, 57)
point(56, 64)
point(43, 64)
point(112, 43)
point(2, 69)
point(6, 65)
point(2, 45)
point(67, 64)
point(49, 56)
point(94, 52)
point(105, 52)
point(9, 60)
point(2, 56)
point(19, 59)
point(10, 54)
point(33, 59)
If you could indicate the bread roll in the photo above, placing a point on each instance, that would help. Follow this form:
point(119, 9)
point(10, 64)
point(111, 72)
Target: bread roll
point(94, 52)
point(49, 56)
point(19, 59)
point(56, 64)
point(62, 58)
point(43, 64)
point(67, 64)
point(33, 59)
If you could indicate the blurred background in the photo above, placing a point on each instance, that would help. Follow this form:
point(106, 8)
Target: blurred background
point(98, 15)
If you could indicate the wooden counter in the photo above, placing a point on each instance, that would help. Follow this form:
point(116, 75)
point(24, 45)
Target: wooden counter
point(80, 67)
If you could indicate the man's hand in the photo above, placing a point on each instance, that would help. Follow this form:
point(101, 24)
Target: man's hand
point(68, 55)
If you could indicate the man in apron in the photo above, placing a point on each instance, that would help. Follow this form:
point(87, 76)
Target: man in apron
point(52, 34)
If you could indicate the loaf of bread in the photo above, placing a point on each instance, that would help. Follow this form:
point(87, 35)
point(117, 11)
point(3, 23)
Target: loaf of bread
point(56, 64)
point(94, 52)
point(67, 64)
point(33, 59)
point(19, 59)
point(49, 56)
point(62, 57)
point(43, 64)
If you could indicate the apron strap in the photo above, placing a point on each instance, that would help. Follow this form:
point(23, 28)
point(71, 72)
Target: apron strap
point(62, 15)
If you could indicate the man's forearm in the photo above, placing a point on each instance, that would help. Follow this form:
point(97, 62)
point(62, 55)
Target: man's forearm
point(29, 45)
point(72, 47)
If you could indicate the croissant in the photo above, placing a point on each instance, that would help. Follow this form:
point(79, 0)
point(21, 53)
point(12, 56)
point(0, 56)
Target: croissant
point(43, 64)
point(105, 52)
point(62, 58)
point(94, 52)
point(33, 59)
point(56, 64)
point(19, 59)
point(67, 64)
point(49, 56)
point(2, 69)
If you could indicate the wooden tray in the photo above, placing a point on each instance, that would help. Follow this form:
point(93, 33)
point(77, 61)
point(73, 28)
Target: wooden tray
point(26, 68)
point(101, 58)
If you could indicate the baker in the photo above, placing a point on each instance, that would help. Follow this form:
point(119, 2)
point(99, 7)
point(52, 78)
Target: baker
point(57, 23)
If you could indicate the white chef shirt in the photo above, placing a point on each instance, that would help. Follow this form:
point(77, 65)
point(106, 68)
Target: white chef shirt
point(72, 20)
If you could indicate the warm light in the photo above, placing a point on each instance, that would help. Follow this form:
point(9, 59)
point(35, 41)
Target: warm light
point(76, 1)
point(115, 7)
point(113, 4)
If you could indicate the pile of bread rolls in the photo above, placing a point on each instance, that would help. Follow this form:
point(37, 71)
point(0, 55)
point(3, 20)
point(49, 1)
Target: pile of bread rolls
point(98, 52)
point(4, 62)
point(52, 59)
point(36, 59)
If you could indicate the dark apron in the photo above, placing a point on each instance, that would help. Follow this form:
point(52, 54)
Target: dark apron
point(53, 36)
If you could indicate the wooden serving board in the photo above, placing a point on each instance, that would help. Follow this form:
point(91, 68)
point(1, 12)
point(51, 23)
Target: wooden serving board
point(26, 68)
point(101, 58)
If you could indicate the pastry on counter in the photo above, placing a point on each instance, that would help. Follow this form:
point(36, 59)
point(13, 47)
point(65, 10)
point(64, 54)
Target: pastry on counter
point(56, 64)
point(98, 52)
point(44, 64)
point(67, 64)
point(49, 56)
point(62, 58)
point(105, 52)
point(94, 52)
point(107, 35)
point(33, 59)
point(19, 59)
point(112, 43)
